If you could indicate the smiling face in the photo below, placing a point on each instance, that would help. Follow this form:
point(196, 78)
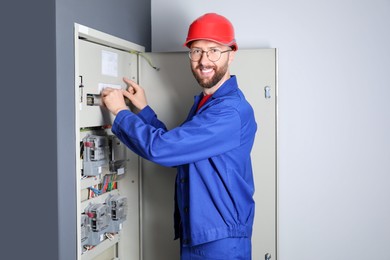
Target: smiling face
point(210, 75)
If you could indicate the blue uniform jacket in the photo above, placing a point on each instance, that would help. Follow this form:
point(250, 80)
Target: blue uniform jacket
point(211, 150)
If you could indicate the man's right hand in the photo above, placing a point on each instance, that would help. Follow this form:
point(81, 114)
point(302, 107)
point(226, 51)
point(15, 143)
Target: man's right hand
point(135, 94)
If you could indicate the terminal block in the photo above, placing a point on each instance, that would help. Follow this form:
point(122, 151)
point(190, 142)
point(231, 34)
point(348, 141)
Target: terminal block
point(118, 208)
point(95, 154)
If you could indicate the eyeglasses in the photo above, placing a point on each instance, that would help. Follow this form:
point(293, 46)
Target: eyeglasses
point(212, 54)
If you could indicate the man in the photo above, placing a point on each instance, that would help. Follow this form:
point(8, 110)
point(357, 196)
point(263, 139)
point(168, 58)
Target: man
point(214, 206)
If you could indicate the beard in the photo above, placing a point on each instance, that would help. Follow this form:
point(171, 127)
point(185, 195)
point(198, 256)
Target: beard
point(215, 79)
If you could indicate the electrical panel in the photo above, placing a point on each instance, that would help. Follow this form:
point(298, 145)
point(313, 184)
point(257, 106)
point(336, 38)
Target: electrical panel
point(107, 172)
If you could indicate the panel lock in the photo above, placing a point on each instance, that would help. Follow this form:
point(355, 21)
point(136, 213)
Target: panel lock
point(267, 256)
point(267, 92)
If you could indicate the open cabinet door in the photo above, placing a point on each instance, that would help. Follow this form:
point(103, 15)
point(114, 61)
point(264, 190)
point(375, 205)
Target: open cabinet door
point(170, 91)
point(256, 73)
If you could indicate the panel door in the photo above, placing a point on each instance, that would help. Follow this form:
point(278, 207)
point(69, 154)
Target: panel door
point(170, 91)
point(256, 73)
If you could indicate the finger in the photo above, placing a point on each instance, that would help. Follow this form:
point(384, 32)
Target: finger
point(131, 90)
point(129, 85)
point(127, 94)
point(132, 84)
point(105, 91)
point(128, 82)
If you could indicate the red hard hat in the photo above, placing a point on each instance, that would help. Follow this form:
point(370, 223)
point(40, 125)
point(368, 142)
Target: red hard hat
point(212, 27)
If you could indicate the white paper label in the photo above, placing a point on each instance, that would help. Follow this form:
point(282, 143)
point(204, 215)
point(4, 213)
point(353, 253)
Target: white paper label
point(121, 171)
point(109, 63)
point(102, 86)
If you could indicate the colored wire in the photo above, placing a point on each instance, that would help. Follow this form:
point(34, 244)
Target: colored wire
point(146, 58)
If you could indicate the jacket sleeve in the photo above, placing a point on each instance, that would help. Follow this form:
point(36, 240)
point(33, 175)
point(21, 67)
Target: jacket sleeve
point(205, 135)
point(148, 116)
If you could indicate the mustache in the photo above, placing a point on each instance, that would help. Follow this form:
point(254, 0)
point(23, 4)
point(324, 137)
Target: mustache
point(200, 66)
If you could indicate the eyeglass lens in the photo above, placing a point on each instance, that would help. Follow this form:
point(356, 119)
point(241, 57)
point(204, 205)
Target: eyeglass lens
point(212, 55)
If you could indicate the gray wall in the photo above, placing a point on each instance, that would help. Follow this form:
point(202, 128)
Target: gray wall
point(37, 112)
point(28, 158)
point(334, 115)
point(127, 19)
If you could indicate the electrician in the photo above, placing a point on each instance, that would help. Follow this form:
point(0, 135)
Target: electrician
point(214, 206)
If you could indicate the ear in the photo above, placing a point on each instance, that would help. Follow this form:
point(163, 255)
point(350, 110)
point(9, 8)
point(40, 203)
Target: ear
point(232, 54)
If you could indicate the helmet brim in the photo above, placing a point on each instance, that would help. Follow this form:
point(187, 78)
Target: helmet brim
point(231, 44)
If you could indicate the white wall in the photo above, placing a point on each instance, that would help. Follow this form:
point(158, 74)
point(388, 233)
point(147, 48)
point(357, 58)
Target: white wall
point(334, 115)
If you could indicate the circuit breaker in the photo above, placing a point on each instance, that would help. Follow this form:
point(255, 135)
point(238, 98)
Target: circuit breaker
point(99, 221)
point(95, 154)
point(118, 211)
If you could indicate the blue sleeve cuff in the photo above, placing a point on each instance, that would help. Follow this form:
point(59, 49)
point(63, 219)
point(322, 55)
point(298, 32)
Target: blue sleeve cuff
point(147, 115)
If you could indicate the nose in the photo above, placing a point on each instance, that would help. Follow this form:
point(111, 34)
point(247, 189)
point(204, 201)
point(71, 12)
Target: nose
point(204, 58)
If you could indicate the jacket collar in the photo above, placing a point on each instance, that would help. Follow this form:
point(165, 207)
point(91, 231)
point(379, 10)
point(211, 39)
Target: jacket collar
point(227, 87)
